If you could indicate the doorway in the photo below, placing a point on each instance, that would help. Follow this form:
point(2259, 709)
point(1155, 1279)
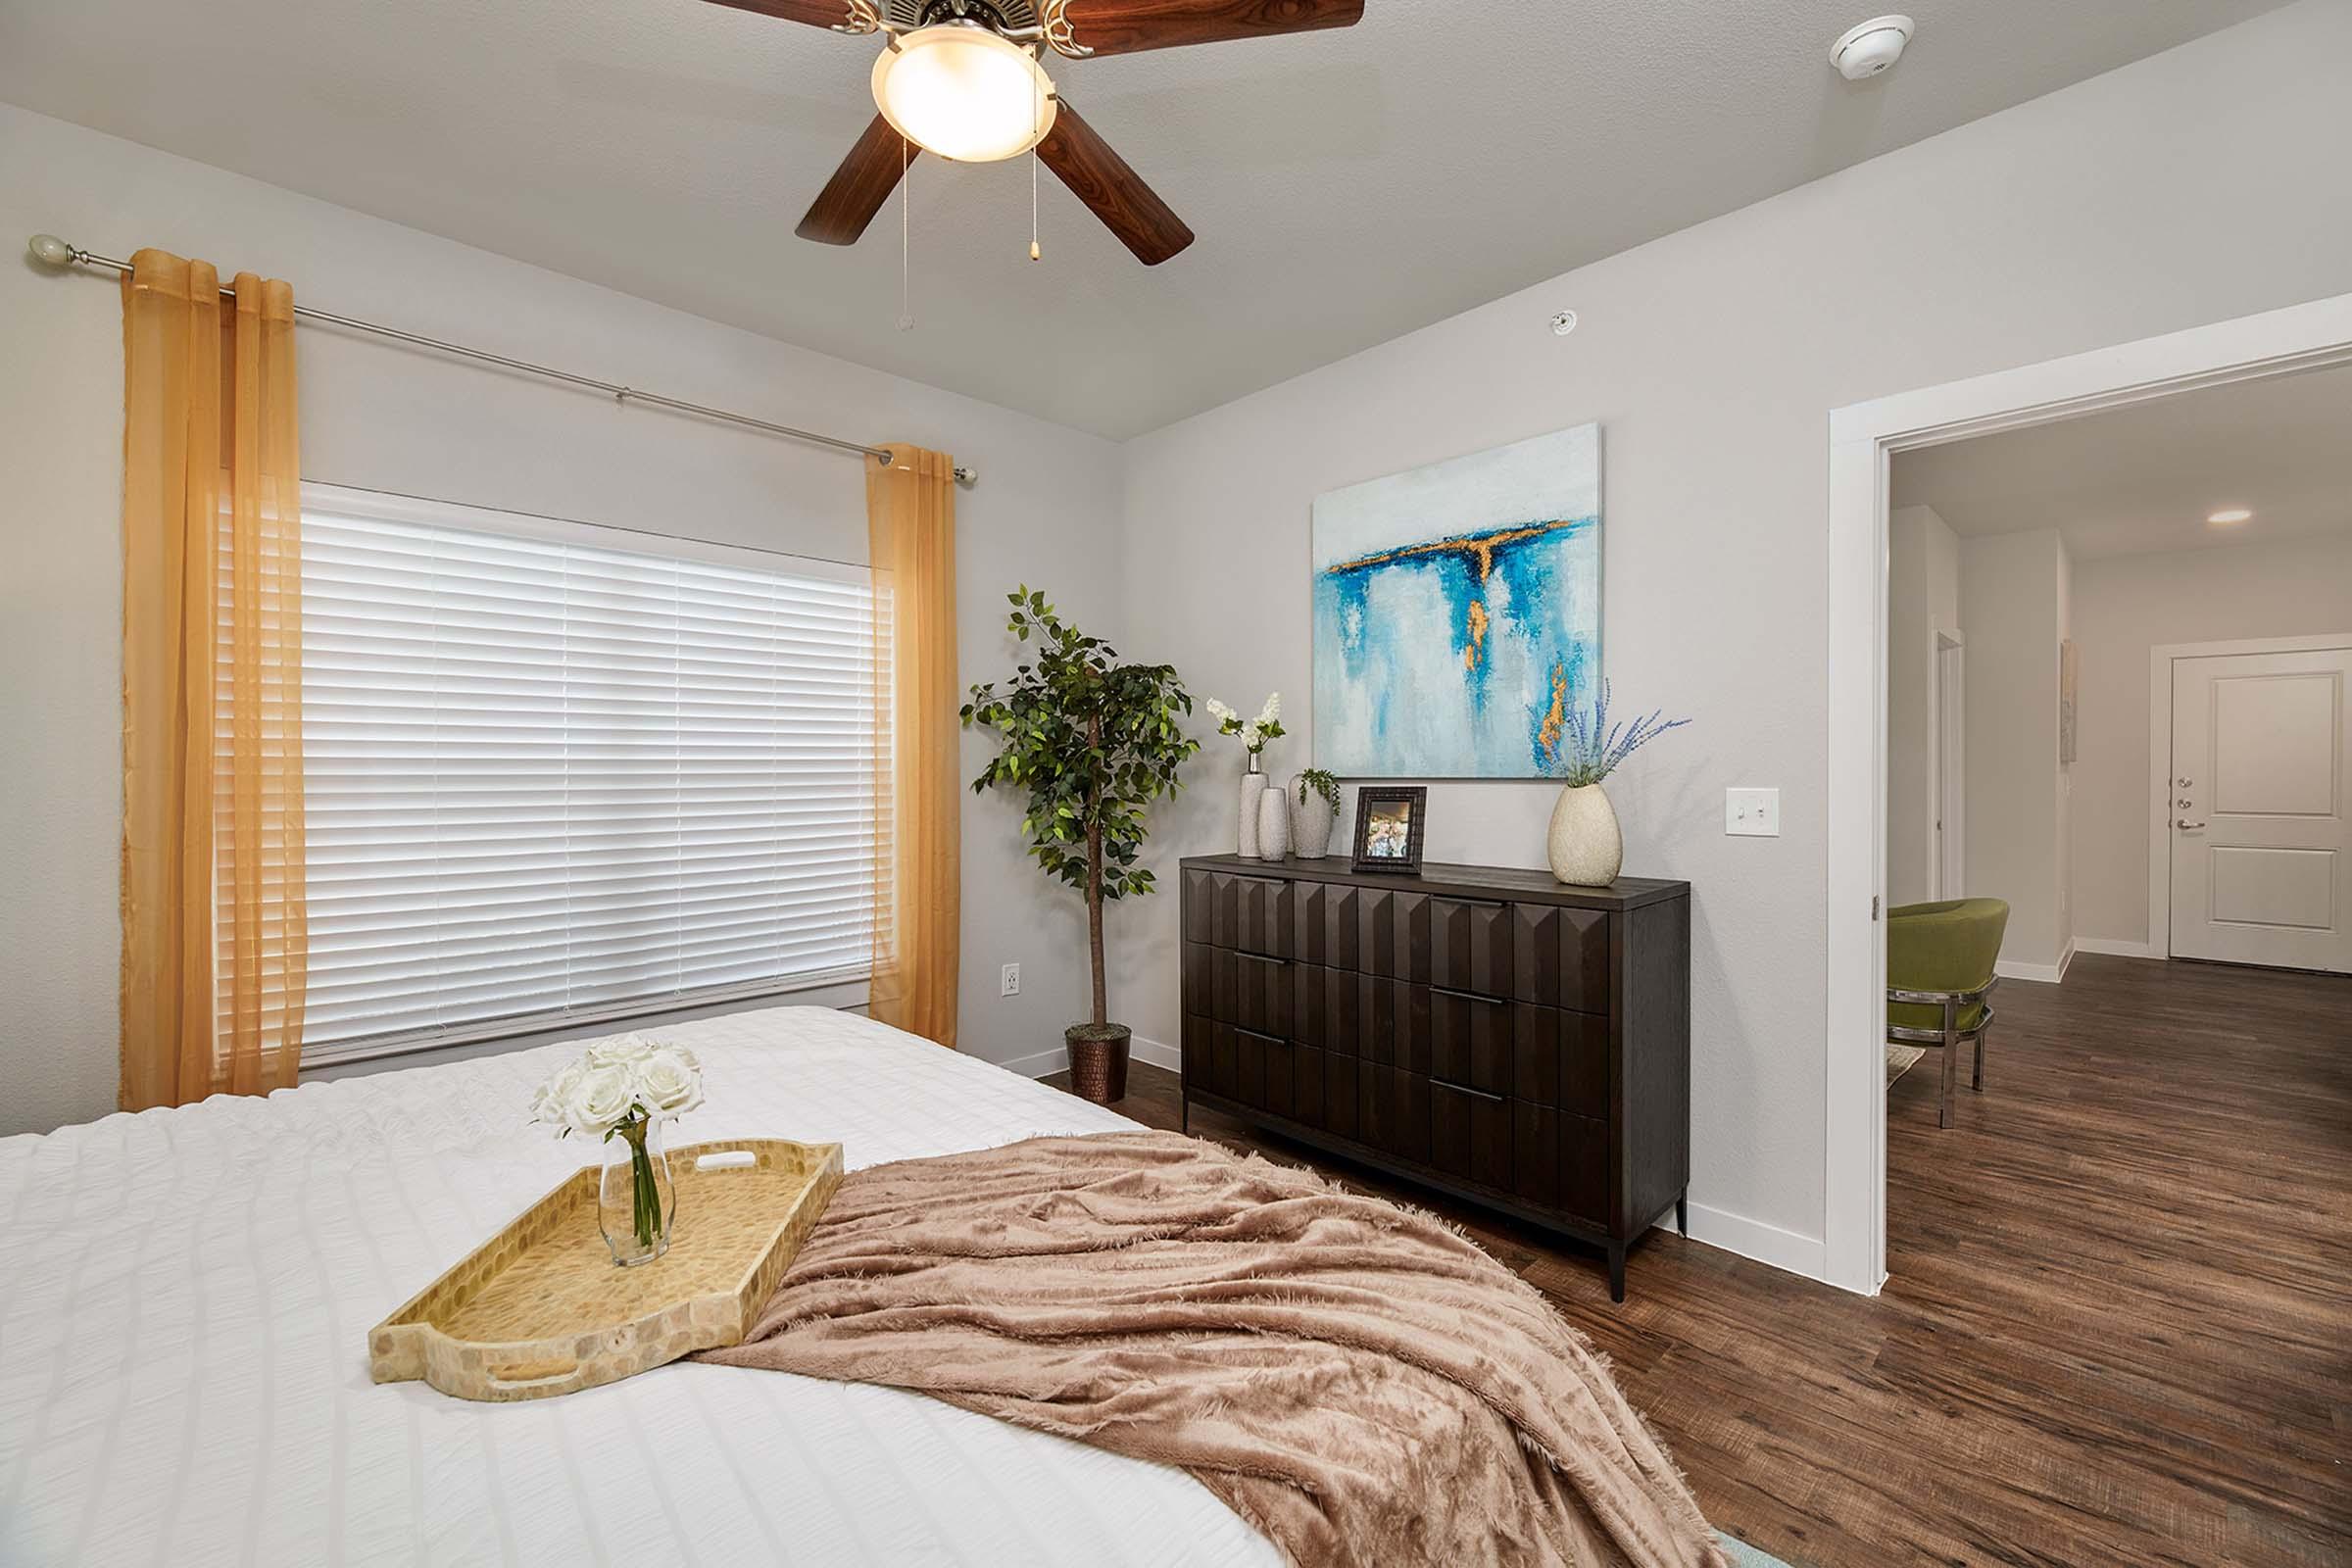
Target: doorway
point(1863, 440)
point(1951, 765)
point(2250, 852)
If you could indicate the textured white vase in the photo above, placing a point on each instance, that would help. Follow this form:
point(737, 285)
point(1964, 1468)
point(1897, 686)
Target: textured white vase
point(1583, 846)
point(1253, 786)
point(1273, 825)
point(1311, 822)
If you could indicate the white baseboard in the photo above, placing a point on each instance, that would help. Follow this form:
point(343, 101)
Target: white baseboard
point(1046, 1063)
point(2048, 974)
point(1753, 1238)
point(2116, 947)
point(1159, 1053)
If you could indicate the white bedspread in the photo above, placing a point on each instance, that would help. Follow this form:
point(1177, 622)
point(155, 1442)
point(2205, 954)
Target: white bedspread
point(188, 1293)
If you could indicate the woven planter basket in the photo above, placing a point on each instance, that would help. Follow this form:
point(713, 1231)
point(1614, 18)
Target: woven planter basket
point(1098, 1066)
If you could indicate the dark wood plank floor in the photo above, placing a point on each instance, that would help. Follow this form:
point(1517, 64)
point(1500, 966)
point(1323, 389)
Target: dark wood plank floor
point(2118, 1327)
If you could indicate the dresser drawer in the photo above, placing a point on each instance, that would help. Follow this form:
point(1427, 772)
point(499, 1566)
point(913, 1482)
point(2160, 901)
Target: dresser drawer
point(1246, 988)
point(1470, 945)
point(1329, 1013)
point(1393, 1111)
point(1391, 933)
point(1560, 1162)
point(1560, 1058)
point(1245, 914)
point(1326, 922)
point(1470, 1040)
point(1560, 956)
point(1258, 1069)
point(1394, 1023)
point(1470, 1136)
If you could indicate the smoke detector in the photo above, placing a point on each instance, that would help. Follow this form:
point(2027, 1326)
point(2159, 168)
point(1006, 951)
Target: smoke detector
point(1869, 49)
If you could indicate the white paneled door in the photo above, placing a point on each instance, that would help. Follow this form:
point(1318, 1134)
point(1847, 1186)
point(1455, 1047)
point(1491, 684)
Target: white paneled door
point(2261, 830)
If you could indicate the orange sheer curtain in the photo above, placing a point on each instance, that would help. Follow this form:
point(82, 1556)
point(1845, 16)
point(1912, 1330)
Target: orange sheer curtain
point(213, 928)
point(911, 528)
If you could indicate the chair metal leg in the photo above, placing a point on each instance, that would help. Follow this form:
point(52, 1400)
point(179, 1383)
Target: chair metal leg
point(1951, 1061)
point(1979, 1085)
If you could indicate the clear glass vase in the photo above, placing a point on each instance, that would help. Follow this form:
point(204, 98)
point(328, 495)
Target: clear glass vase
point(636, 1203)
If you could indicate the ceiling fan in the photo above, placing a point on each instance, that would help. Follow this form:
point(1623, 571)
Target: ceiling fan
point(962, 78)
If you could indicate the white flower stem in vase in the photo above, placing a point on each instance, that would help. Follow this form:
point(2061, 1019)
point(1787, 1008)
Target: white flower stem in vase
point(619, 1091)
point(1254, 734)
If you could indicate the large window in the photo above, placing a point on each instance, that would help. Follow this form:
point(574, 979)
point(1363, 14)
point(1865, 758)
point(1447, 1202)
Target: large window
point(550, 778)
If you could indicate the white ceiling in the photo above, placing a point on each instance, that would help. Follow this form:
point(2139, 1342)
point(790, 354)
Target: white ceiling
point(2145, 478)
point(1347, 186)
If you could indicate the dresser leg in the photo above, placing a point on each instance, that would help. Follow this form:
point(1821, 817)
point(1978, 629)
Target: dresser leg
point(1682, 1213)
point(1187, 1115)
point(1616, 1271)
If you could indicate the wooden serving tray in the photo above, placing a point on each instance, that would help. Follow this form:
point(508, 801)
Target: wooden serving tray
point(540, 1309)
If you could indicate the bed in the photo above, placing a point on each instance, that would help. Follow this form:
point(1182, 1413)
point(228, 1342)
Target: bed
point(184, 1369)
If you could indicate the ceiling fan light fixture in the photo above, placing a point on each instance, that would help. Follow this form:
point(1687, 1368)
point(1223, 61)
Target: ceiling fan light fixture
point(964, 93)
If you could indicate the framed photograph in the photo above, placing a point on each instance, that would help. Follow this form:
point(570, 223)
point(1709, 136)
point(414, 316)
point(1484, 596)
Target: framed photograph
point(1389, 822)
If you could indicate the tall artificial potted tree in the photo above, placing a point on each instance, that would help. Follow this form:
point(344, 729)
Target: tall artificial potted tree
point(1092, 742)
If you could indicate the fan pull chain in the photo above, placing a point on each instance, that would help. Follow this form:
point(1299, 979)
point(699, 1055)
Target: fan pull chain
point(1037, 112)
point(906, 237)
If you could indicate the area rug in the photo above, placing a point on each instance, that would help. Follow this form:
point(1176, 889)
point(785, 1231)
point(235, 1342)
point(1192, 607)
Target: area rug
point(1900, 1060)
point(1744, 1555)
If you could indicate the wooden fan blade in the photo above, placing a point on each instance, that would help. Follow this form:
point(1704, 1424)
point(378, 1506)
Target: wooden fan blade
point(1126, 26)
point(859, 187)
point(834, 14)
point(1112, 191)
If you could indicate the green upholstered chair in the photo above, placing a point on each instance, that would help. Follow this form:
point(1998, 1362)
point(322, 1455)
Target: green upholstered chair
point(1940, 959)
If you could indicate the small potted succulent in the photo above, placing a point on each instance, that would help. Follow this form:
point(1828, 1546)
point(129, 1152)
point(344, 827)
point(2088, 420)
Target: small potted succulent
point(1091, 743)
point(1316, 812)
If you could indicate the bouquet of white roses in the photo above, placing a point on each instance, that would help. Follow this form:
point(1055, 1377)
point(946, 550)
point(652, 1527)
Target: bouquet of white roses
point(1253, 732)
point(622, 1088)
point(620, 1082)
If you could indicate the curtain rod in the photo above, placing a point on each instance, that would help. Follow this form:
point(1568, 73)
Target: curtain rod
point(55, 253)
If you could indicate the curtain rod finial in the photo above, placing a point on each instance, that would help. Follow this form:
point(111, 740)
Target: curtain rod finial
point(49, 250)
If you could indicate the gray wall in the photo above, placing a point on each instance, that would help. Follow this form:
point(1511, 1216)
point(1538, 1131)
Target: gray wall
point(2013, 602)
point(381, 415)
point(1923, 599)
point(2124, 607)
point(2194, 187)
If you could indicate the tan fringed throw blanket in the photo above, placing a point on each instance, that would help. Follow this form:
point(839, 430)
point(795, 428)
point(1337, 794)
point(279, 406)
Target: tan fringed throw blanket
point(1356, 1380)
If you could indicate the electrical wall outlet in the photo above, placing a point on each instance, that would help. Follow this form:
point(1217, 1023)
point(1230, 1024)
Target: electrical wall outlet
point(1752, 814)
point(1010, 983)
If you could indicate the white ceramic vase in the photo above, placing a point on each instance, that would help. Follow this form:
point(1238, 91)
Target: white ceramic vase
point(1253, 787)
point(1273, 826)
point(1583, 846)
point(1311, 821)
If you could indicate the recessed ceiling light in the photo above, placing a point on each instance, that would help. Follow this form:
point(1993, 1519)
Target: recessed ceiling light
point(2228, 515)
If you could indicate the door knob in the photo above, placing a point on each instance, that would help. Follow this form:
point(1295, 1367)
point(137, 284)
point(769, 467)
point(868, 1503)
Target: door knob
point(2187, 827)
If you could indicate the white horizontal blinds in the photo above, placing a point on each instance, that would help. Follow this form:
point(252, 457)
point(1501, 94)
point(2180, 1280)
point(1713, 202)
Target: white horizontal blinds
point(545, 775)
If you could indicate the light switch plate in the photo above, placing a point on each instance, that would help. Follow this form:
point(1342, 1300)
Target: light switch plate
point(1752, 814)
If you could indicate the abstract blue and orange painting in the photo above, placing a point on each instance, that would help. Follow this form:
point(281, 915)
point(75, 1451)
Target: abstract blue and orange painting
point(1458, 612)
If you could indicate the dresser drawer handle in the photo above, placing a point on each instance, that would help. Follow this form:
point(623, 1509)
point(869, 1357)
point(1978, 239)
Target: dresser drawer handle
point(1471, 995)
point(1260, 1034)
point(1257, 957)
point(1465, 1089)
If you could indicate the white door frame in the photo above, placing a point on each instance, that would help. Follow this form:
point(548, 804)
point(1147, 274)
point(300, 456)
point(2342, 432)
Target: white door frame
point(1862, 439)
point(1948, 747)
point(2160, 757)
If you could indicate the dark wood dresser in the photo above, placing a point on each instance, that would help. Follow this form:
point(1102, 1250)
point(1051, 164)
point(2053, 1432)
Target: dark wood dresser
point(1484, 1031)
